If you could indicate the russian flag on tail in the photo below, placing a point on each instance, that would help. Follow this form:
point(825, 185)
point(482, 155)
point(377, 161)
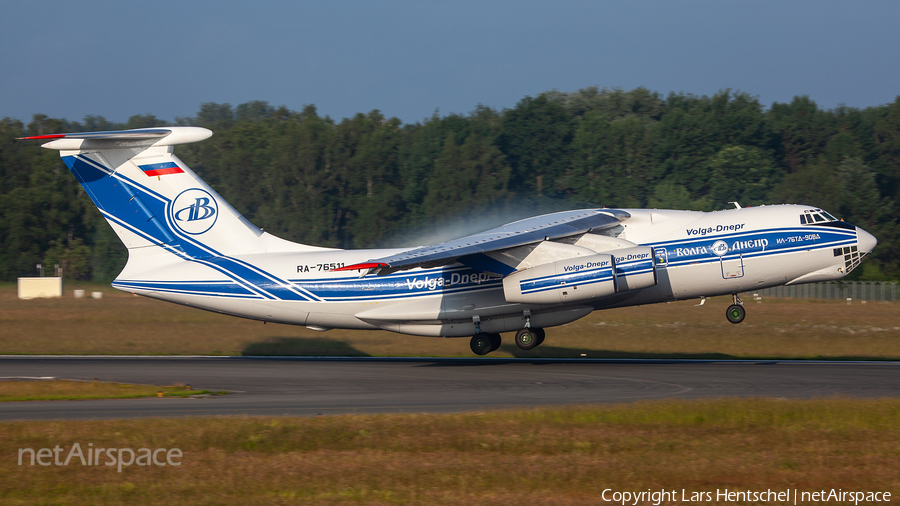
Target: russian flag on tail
point(161, 169)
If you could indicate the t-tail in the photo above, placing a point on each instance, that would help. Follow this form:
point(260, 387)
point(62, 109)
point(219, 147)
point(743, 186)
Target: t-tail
point(160, 209)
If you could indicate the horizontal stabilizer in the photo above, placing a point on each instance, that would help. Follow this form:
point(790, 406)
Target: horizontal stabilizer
point(142, 137)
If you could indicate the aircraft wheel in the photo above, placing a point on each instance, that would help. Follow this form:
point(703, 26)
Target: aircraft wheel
point(496, 341)
point(540, 335)
point(481, 344)
point(526, 339)
point(735, 313)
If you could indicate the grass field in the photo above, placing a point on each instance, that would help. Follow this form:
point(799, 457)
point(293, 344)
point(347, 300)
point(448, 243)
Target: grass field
point(56, 390)
point(121, 323)
point(542, 456)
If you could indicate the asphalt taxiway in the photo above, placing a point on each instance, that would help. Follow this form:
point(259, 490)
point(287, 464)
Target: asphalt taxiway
point(314, 386)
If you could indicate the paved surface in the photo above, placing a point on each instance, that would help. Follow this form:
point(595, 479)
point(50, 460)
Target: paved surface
point(312, 386)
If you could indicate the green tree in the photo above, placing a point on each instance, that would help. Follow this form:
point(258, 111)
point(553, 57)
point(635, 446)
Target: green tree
point(743, 174)
point(535, 139)
point(862, 204)
point(802, 130)
point(72, 256)
point(469, 179)
point(144, 121)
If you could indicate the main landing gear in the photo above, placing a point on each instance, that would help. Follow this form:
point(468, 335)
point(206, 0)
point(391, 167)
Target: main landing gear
point(527, 339)
point(735, 312)
point(483, 343)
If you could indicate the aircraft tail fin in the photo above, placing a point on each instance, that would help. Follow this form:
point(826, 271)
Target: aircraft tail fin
point(150, 197)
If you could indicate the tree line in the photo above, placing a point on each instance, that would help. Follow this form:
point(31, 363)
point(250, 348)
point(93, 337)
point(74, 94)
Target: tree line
point(370, 180)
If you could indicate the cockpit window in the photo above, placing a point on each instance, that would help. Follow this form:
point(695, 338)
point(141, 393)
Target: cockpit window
point(810, 216)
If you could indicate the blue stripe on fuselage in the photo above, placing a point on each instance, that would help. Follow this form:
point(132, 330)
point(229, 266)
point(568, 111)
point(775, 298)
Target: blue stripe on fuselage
point(446, 280)
point(209, 288)
point(755, 243)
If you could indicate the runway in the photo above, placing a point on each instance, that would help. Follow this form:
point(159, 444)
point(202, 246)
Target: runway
point(324, 386)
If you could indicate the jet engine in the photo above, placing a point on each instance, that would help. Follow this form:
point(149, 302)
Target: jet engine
point(572, 279)
point(583, 278)
point(635, 268)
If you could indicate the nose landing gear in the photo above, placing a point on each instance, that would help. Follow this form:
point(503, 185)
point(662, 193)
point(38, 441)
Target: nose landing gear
point(735, 312)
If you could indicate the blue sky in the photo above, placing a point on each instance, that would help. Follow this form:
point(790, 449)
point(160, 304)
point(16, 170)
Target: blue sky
point(407, 59)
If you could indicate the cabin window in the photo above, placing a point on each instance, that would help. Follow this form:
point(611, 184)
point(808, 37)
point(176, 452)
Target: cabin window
point(818, 218)
point(802, 219)
point(830, 217)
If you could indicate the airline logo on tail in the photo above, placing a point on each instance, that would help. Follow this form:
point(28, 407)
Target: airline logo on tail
point(161, 169)
point(194, 211)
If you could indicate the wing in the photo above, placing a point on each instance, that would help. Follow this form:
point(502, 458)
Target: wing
point(547, 227)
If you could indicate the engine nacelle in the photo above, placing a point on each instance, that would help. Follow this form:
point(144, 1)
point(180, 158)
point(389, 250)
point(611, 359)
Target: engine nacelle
point(635, 268)
point(569, 280)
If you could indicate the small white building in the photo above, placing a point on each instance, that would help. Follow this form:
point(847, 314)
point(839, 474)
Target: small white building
point(33, 288)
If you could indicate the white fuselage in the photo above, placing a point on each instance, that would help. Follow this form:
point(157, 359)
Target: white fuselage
point(763, 247)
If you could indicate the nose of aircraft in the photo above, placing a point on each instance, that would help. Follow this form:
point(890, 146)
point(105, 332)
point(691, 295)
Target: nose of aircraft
point(866, 240)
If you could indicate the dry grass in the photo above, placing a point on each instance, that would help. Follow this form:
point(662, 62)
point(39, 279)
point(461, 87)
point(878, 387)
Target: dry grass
point(124, 324)
point(540, 456)
point(55, 390)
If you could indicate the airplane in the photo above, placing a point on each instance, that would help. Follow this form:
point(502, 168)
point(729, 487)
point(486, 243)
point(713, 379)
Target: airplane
point(188, 246)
